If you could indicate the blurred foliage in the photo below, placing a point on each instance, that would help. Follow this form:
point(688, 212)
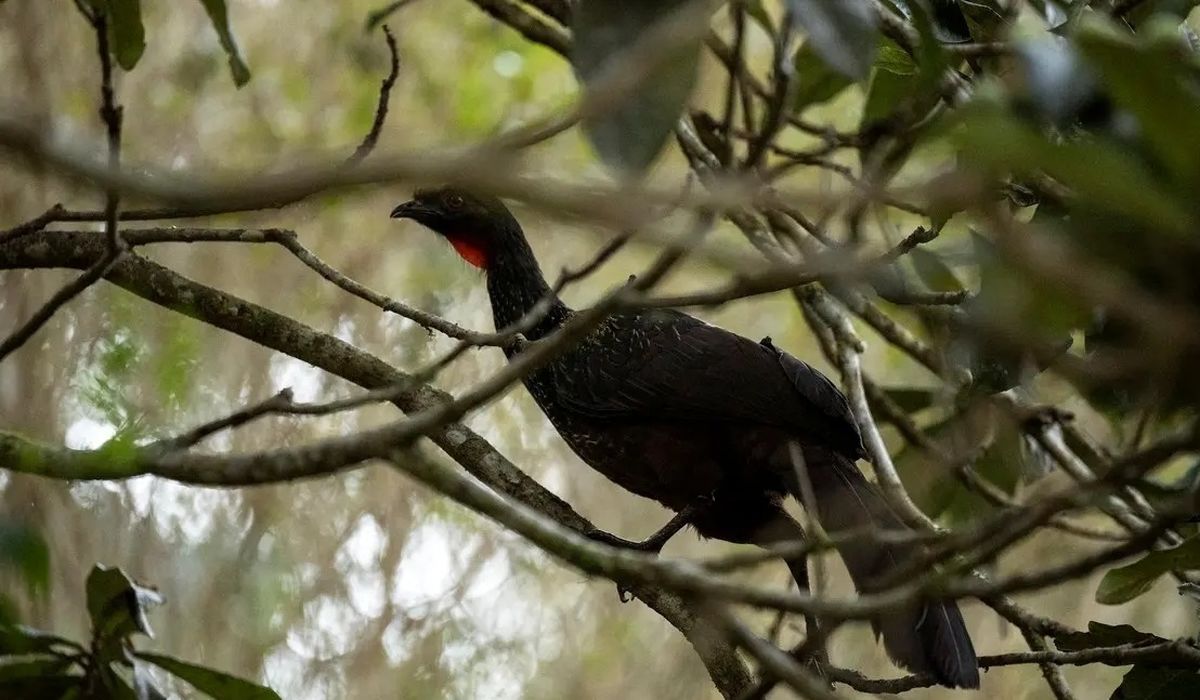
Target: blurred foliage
point(359, 585)
point(37, 664)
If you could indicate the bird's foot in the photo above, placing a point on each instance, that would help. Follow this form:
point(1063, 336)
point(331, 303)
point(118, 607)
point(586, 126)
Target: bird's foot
point(654, 543)
point(1044, 416)
point(651, 545)
point(815, 661)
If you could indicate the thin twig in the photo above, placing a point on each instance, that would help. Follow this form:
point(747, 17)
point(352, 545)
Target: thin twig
point(377, 16)
point(279, 402)
point(34, 225)
point(381, 107)
point(110, 113)
point(68, 292)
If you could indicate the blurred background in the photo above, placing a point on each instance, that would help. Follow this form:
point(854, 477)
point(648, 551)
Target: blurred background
point(363, 585)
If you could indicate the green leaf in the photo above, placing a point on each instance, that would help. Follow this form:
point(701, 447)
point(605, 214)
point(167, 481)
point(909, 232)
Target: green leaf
point(117, 687)
point(16, 640)
point(842, 32)
point(936, 274)
point(815, 81)
point(20, 671)
point(219, 16)
point(899, 79)
point(42, 682)
point(1177, 10)
point(948, 20)
point(912, 400)
point(8, 610)
point(1102, 635)
point(926, 478)
point(24, 549)
point(216, 684)
point(117, 605)
point(894, 59)
point(1155, 84)
point(885, 93)
point(1001, 463)
point(1009, 298)
point(630, 134)
point(125, 28)
point(1125, 583)
point(1154, 683)
point(1105, 178)
point(985, 18)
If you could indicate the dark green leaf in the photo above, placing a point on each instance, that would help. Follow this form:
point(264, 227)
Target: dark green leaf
point(932, 486)
point(949, 23)
point(8, 610)
point(1102, 635)
point(219, 16)
point(1175, 9)
point(24, 670)
point(41, 687)
point(16, 640)
point(116, 686)
point(984, 18)
point(24, 549)
point(629, 135)
point(1152, 683)
point(928, 53)
point(894, 59)
point(117, 605)
point(1152, 83)
point(1128, 582)
point(815, 82)
point(900, 80)
point(1001, 463)
point(842, 32)
point(912, 400)
point(1105, 178)
point(218, 685)
point(1011, 299)
point(885, 93)
point(125, 28)
point(933, 272)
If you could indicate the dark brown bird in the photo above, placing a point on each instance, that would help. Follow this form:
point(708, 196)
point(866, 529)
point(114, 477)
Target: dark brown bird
point(682, 412)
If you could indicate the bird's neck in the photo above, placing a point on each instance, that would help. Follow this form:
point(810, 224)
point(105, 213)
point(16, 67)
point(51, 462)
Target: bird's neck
point(516, 285)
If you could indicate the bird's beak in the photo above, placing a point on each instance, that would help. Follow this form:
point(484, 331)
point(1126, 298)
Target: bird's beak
point(411, 210)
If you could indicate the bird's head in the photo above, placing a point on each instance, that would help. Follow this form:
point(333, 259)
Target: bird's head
point(479, 227)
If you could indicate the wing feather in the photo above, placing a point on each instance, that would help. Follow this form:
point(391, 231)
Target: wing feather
point(671, 366)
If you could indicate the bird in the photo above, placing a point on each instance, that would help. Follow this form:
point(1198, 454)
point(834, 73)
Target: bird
point(703, 421)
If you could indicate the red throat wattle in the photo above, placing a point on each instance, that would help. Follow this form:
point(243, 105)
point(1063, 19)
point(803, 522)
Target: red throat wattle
point(470, 250)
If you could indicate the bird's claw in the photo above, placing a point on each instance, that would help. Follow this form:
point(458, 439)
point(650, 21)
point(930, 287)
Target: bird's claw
point(816, 661)
point(612, 540)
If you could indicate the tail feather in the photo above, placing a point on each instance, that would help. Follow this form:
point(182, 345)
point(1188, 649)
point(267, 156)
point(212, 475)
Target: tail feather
point(924, 637)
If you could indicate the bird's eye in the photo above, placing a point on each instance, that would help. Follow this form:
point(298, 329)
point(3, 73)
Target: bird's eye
point(455, 201)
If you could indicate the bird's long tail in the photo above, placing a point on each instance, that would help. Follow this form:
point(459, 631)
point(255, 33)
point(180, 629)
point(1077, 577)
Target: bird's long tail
point(924, 637)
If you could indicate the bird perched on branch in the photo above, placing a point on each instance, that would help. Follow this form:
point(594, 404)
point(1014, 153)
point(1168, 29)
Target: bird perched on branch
point(703, 421)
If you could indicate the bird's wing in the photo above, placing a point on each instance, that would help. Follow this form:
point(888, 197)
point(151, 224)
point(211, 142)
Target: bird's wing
point(671, 366)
